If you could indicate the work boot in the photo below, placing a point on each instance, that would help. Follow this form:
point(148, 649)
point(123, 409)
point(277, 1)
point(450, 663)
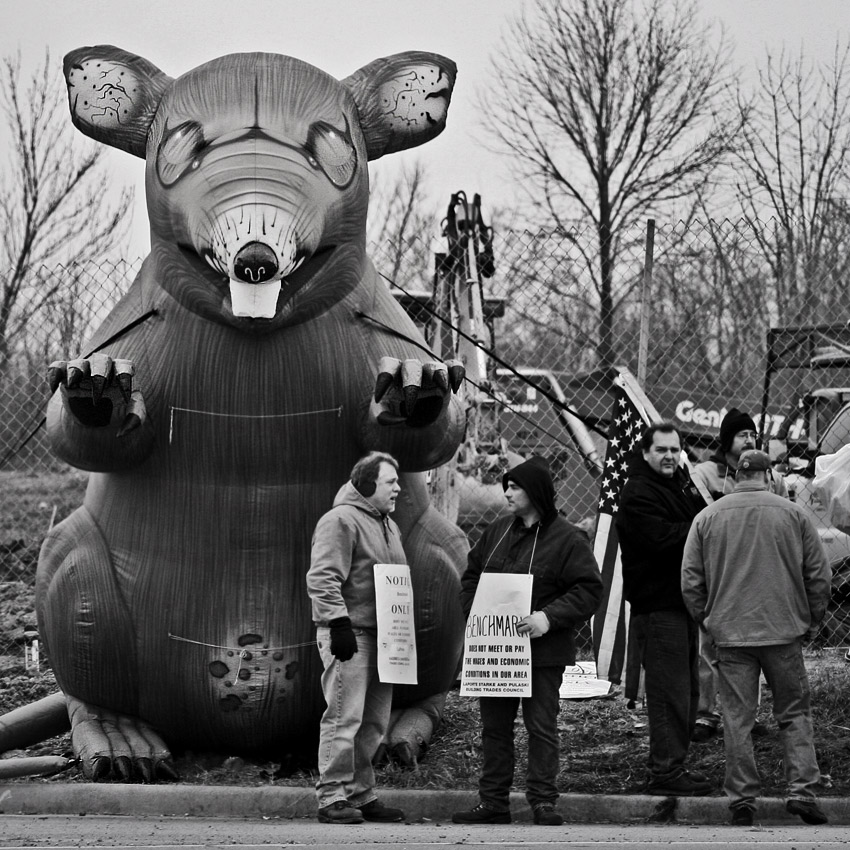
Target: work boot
point(703, 732)
point(808, 810)
point(340, 812)
point(683, 785)
point(377, 812)
point(742, 815)
point(481, 814)
point(545, 815)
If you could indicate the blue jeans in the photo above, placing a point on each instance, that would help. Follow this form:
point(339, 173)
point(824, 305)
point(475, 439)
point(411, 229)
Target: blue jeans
point(668, 641)
point(354, 722)
point(540, 715)
point(738, 671)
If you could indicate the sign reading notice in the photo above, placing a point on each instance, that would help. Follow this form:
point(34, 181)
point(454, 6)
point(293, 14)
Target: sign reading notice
point(497, 660)
point(396, 635)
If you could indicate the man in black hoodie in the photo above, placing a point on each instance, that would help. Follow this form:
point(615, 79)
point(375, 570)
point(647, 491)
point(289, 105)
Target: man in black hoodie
point(657, 506)
point(565, 592)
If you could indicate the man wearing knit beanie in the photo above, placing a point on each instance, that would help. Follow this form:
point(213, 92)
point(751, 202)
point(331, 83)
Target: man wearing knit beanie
point(738, 434)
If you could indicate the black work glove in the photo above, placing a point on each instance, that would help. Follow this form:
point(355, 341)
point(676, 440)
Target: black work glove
point(343, 639)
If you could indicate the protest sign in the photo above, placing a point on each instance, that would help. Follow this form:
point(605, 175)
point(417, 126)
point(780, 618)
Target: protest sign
point(497, 660)
point(396, 635)
point(580, 682)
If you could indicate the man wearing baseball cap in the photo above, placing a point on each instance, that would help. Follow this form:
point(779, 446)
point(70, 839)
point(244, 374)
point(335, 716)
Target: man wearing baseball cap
point(717, 476)
point(755, 574)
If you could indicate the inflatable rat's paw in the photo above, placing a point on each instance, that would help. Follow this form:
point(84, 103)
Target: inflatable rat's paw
point(98, 391)
point(414, 393)
point(110, 745)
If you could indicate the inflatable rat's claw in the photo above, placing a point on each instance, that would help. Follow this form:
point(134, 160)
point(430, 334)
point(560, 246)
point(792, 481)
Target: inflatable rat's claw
point(166, 770)
point(107, 743)
point(411, 380)
point(457, 373)
point(57, 372)
point(77, 371)
point(441, 378)
point(124, 768)
point(130, 423)
point(100, 369)
point(145, 768)
point(124, 371)
point(136, 414)
point(97, 768)
point(410, 392)
point(388, 369)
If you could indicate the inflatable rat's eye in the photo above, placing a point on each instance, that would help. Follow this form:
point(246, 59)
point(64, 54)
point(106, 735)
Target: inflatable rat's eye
point(178, 150)
point(333, 152)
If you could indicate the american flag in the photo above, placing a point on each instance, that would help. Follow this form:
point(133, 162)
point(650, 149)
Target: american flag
point(631, 414)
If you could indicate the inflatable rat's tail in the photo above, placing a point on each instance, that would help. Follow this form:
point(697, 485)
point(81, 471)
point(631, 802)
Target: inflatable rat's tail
point(34, 723)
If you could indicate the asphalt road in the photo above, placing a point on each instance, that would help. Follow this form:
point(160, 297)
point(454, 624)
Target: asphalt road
point(56, 832)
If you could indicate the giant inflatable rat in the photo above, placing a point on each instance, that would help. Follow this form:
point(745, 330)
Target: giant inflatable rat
point(254, 359)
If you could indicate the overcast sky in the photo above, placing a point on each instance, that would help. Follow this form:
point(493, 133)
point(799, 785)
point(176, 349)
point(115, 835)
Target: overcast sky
point(340, 36)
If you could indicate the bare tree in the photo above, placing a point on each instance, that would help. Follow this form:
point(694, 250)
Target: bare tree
point(610, 109)
point(55, 205)
point(402, 222)
point(794, 169)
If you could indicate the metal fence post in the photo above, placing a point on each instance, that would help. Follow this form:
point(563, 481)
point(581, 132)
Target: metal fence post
point(645, 287)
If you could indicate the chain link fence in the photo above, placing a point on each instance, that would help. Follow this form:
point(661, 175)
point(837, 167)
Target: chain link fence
point(738, 314)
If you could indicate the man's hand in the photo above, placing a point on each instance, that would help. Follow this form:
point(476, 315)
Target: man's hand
point(535, 625)
point(343, 639)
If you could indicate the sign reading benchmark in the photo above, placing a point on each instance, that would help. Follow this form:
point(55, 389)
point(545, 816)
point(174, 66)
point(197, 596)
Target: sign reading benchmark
point(497, 660)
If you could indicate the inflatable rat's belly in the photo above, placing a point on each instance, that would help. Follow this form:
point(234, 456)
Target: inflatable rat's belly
point(212, 577)
point(178, 593)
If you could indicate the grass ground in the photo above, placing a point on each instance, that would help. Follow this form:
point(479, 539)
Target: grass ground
point(604, 743)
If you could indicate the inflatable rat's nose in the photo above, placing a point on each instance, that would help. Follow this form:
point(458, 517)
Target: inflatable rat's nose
point(255, 263)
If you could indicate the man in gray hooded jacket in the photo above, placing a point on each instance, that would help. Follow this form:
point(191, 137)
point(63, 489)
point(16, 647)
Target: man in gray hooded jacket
point(349, 540)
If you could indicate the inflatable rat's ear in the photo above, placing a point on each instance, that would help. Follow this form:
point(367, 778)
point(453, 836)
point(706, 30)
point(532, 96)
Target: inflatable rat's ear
point(113, 95)
point(402, 100)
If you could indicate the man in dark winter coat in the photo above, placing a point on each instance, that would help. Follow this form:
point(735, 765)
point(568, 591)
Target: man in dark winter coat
point(657, 506)
point(566, 590)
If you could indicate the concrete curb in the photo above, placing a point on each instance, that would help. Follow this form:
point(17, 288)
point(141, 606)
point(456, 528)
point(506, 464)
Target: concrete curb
point(225, 801)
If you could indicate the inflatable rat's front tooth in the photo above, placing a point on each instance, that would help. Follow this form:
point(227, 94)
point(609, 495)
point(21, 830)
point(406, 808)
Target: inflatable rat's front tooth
point(254, 300)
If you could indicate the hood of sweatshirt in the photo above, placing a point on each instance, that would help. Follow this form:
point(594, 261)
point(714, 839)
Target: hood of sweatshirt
point(349, 495)
point(533, 476)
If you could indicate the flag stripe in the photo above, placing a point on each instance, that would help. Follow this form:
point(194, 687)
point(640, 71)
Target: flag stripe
point(612, 648)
